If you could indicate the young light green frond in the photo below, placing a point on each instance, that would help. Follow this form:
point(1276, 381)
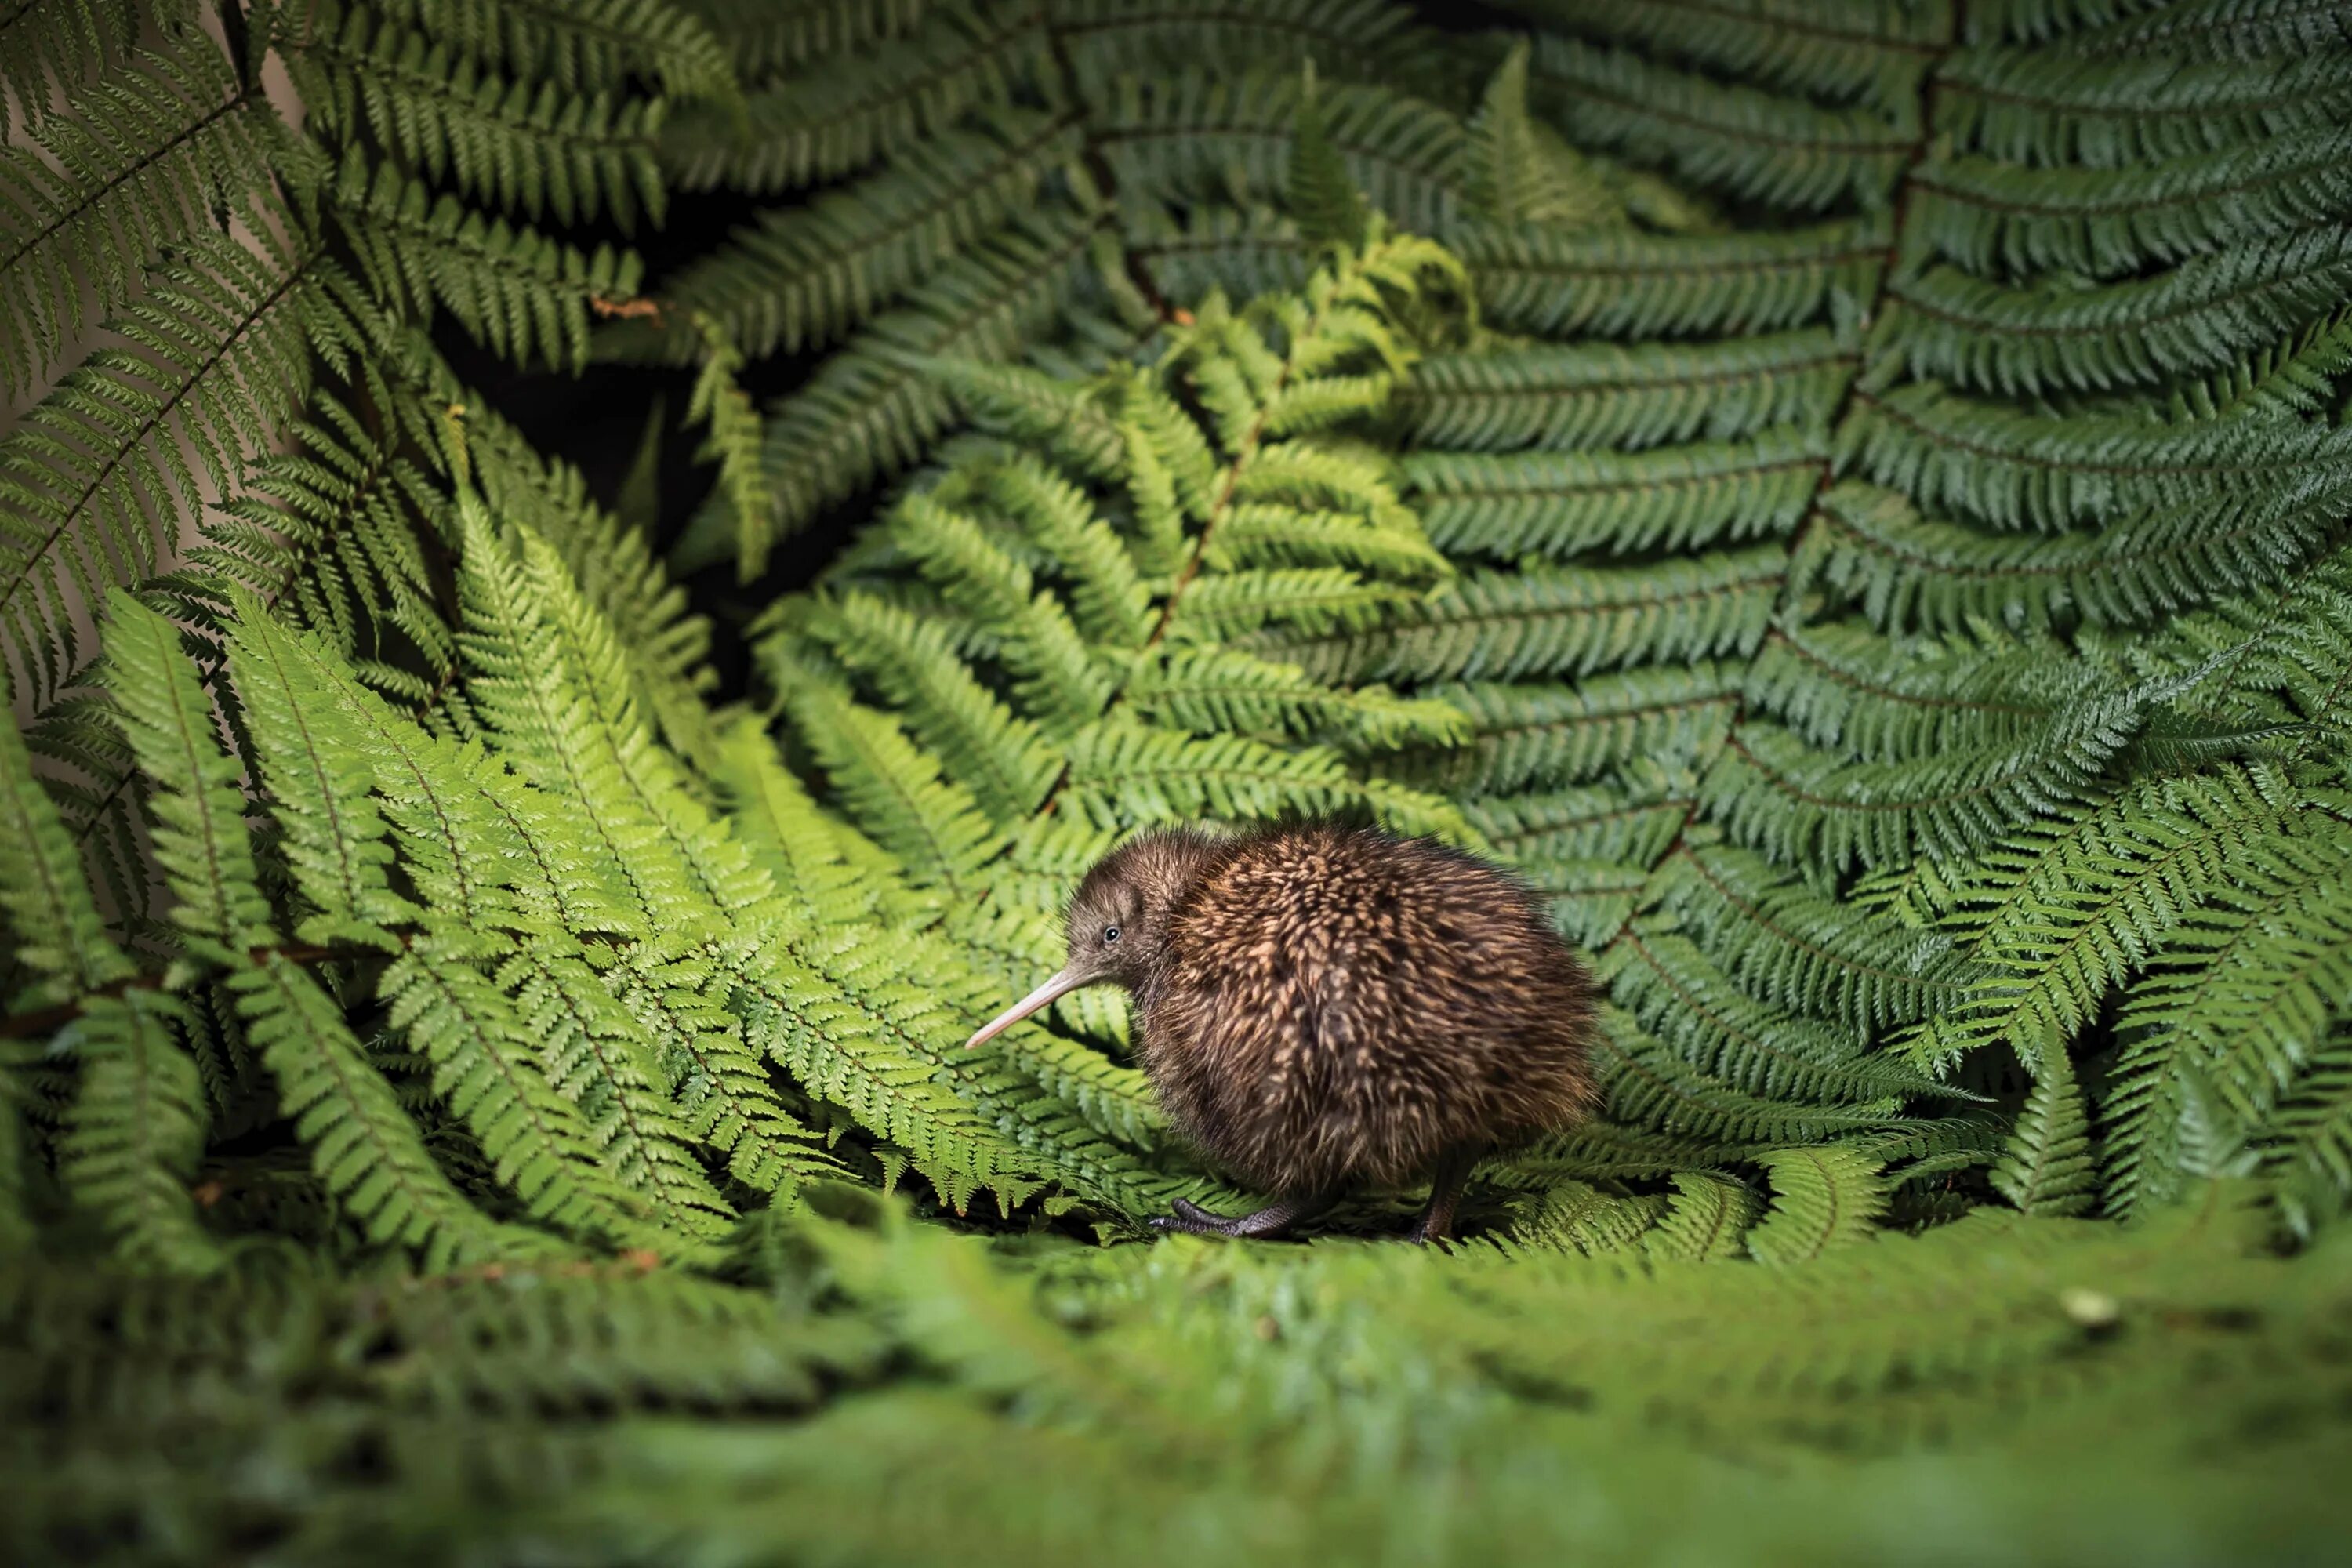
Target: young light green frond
point(1823, 1199)
point(1208, 690)
point(1709, 1216)
point(999, 754)
point(320, 782)
point(197, 815)
point(893, 789)
point(596, 1056)
point(796, 841)
point(1061, 682)
point(133, 164)
point(486, 1067)
point(1109, 603)
point(364, 1147)
point(129, 1149)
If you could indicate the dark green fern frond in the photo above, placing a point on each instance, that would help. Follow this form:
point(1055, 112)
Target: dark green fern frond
point(133, 166)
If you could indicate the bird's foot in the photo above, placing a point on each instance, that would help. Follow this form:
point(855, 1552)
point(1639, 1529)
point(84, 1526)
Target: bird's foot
point(1191, 1219)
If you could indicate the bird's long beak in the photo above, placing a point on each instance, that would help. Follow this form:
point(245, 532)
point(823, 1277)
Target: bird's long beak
point(1059, 986)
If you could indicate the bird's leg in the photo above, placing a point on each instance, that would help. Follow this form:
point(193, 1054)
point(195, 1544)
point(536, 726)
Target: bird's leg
point(1272, 1220)
point(1452, 1174)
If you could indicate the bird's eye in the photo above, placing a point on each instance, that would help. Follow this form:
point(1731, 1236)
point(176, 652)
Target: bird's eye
point(1111, 933)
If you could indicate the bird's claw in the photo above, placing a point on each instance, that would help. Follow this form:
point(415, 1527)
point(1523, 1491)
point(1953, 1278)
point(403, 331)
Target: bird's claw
point(1191, 1219)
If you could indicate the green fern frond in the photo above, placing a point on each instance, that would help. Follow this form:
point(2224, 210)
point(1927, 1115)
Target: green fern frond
point(1757, 145)
point(2204, 315)
point(221, 345)
point(843, 109)
point(131, 166)
point(1568, 398)
point(2049, 1167)
point(1614, 284)
point(1823, 1199)
point(1560, 505)
point(529, 147)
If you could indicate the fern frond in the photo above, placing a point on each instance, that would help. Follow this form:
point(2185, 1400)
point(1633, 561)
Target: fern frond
point(1505, 625)
point(1616, 284)
point(872, 407)
point(2204, 315)
point(843, 111)
point(1757, 145)
point(535, 148)
point(1568, 398)
point(522, 294)
point(2049, 1167)
point(587, 44)
point(1823, 1199)
point(220, 348)
point(1539, 736)
point(131, 165)
point(1560, 505)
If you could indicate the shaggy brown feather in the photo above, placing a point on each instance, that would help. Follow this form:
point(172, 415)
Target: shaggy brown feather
point(1322, 1006)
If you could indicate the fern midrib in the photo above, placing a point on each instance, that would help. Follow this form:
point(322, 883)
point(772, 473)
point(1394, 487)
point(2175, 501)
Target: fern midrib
point(1888, 258)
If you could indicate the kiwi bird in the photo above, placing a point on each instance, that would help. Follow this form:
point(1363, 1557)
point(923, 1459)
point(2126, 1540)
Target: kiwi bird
point(1325, 1007)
